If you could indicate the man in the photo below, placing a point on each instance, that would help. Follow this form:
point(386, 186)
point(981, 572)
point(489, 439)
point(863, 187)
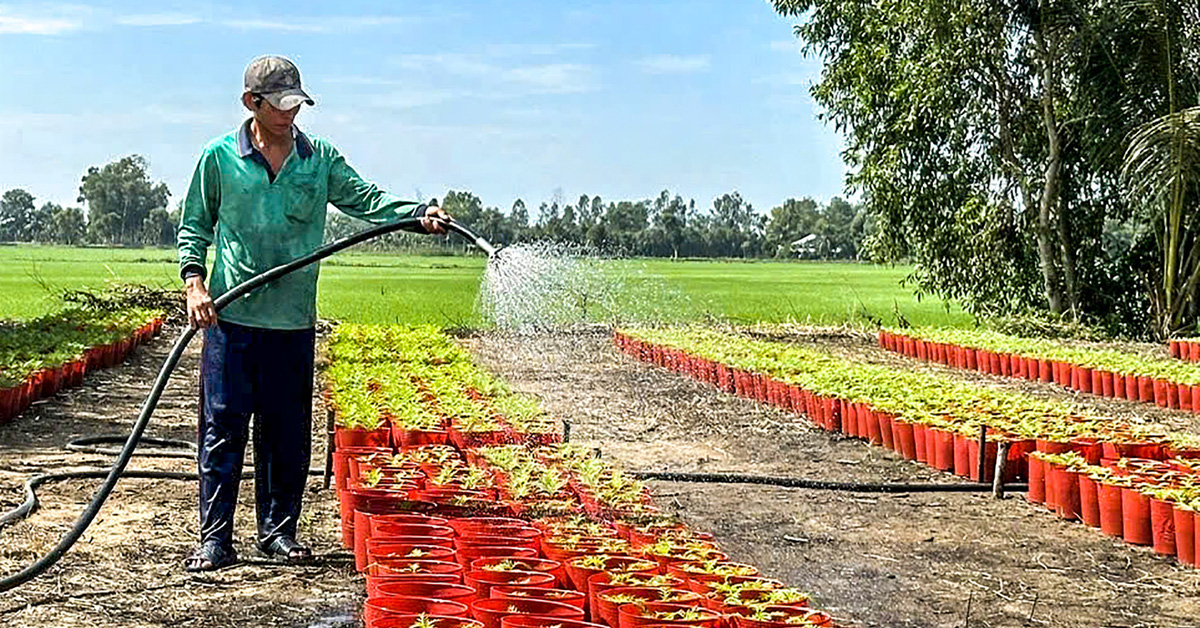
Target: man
point(261, 191)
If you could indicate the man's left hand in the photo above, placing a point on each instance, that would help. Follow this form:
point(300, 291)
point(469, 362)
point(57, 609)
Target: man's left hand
point(435, 219)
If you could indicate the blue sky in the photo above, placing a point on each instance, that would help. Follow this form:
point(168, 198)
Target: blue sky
point(512, 98)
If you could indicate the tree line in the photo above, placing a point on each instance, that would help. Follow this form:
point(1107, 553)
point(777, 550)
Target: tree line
point(665, 226)
point(125, 207)
point(1027, 155)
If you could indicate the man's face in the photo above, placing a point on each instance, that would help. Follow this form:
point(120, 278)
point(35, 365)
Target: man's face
point(275, 121)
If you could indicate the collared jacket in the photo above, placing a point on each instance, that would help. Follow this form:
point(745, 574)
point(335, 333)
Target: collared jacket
point(259, 219)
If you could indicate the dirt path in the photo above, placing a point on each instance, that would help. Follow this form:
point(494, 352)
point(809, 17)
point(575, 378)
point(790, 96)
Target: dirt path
point(903, 560)
point(126, 570)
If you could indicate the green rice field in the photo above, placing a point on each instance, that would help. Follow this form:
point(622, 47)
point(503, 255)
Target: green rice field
point(380, 288)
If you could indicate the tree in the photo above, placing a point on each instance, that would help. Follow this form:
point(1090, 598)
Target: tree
point(789, 222)
point(120, 197)
point(985, 136)
point(39, 227)
point(158, 229)
point(16, 207)
point(67, 225)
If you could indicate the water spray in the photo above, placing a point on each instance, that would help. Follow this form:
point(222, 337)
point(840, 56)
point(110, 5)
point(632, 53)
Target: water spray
point(117, 470)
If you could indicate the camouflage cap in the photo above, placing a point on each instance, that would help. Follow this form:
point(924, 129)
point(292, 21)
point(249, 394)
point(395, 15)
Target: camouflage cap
point(278, 80)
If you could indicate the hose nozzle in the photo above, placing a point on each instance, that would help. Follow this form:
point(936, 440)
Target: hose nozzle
point(467, 233)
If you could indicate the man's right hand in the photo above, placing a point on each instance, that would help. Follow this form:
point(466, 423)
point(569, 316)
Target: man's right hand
point(201, 312)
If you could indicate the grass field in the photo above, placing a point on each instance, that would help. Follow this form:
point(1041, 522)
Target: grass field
point(443, 290)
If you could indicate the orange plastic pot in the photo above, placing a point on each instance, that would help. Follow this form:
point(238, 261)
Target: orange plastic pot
point(920, 440)
point(962, 456)
point(1037, 481)
point(786, 617)
point(1162, 524)
point(535, 621)
point(412, 571)
point(579, 573)
point(358, 437)
point(542, 565)
point(492, 611)
point(1066, 502)
point(943, 442)
point(467, 555)
point(1089, 500)
point(379, 551)
point(904, 438)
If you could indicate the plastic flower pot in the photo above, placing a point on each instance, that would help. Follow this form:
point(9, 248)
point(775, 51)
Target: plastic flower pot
point(412, 571)
point(491, 611)
point(943, 441)
point(537, 621)
point(483, 580)
point(1097, 382)
point(421, 589)
point(1037, 480)
point(962, 456)
point(1162, 524)
point(383, 608)
point(1135, 513)
point(783, 617)
point(383, 529)
point(358, 437)
point(1185, 535)
point(579, 569)
point(699, 577)
point(605, 604)
point(406, 438)
point(472, 553)
point(1066, 486)
point(382, 551)
point(920, 438)
point(466, 525)
point(1089, 500)
point(1131, 386)
point(658, 614)
point(564, 596)
point(1109, 498)
point(883, 422)
point(989, 465)
point(904, 438)
point(542, 565)
point(409, 621)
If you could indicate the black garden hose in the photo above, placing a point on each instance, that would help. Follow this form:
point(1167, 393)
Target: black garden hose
point(822, 485)
point(139, 426)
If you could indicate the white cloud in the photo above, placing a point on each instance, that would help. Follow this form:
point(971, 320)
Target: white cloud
point(489, 78)
point(158, 19)
point(276, 25)
point(554, 78)
point(673, 64)
point(57, 21)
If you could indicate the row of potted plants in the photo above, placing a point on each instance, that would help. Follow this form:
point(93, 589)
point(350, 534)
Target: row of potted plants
point(530, 535)
point(1121, 375)
point(1185, 349)
point(863, 399)
point(378, 372)
point(39, 357)
point(1144, 502)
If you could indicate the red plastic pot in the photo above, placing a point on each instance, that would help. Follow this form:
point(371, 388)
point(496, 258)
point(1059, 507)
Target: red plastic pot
point(1135, 513)
point(421, 589)
point(564, 596)
point(788, 617)
point(491, 611)
point(542, 565)
point(1185, 536)
point(412, 571)
point(407, 621)
point(1089, 500)
point(466, 525)
point(1162, 524)
point(943, 443)
point(1185, 396)
point(962, 456)
point(920, 439)
point(1037, 480)
point(383, 529)
point(358, 437)
point(1067, 501)
point(467, 555)
point(606, 609)
point(537, 621)
point(634, 616)
point(579, 573)
point(483, 580)
point(384, 608)
point(1109, 498)
point(382, 551)
point(904, 438)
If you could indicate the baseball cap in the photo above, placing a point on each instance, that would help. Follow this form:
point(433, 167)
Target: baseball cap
point(278, 81)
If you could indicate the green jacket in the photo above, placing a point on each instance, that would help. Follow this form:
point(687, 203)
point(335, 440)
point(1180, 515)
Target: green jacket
point(260, 220)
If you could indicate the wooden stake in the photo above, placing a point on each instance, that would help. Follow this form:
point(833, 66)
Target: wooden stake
point(329, 445)
point(1001, 463)
point(983, 453)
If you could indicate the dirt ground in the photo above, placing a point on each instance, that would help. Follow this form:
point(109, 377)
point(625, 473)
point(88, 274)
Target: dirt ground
point(929, 560)
point(936, 560)
point(126, 571)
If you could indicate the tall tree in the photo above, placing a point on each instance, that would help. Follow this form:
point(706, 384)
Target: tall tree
point(16, 208)
point(119, 197)
point(67, 225)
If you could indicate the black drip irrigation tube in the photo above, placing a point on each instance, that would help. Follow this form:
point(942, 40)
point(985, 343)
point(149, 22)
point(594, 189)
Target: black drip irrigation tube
point(822, 485)
point(118, 469)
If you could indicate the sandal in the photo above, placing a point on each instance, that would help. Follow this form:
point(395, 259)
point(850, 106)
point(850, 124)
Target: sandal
point(210, 556)
point(286, 548)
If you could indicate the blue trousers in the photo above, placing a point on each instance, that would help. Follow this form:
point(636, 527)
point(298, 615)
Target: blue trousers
point(267, 374)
